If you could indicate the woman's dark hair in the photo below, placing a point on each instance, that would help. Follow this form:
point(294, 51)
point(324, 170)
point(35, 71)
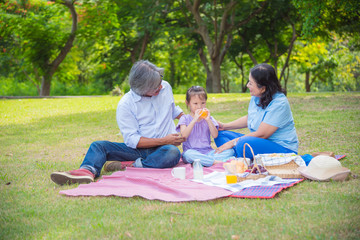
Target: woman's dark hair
point(196, 90)
point(265, 76)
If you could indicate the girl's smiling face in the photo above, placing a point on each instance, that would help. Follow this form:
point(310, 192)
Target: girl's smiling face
point(253, 87)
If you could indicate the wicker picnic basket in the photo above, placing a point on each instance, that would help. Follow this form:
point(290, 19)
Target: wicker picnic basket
point(288, 170)
point(251, 176)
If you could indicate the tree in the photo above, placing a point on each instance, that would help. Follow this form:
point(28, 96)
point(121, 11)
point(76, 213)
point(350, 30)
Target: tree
point(50, 66)
point(315, 61)
point(39, 40)
point(270, 35)
point(321, 17)
point(119, 33)
point(214, 21)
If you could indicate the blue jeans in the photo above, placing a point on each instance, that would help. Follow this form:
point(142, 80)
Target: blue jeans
point(99, 152)
point(208, 159)
point(259, 145)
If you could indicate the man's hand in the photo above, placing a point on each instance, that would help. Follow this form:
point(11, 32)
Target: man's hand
point(174, 139)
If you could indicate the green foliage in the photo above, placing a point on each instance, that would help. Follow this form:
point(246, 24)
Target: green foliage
point(37, 31)
point(331, 63)
point(268, 34)
point(9, 87)
point(112, 35)
point(323, 17)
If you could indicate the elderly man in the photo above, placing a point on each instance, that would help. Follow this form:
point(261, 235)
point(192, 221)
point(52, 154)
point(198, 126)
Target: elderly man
point(145, 117)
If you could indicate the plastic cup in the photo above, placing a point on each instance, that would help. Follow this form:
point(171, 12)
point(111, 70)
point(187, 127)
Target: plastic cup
point(178, 172)
point(231, 179)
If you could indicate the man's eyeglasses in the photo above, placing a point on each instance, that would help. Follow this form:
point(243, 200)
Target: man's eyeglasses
point(158, 87)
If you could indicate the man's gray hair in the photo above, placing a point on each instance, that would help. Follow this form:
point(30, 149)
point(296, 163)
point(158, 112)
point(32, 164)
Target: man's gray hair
point(144, 77)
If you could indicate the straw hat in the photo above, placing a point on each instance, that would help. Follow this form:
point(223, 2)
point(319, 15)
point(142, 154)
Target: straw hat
point(324, 168)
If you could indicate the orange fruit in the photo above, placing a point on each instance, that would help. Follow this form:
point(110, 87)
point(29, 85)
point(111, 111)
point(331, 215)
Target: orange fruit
point(203, 113)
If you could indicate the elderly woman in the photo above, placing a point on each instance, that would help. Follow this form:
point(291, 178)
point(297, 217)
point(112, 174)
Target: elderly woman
point(269, 118)
point(145, 117)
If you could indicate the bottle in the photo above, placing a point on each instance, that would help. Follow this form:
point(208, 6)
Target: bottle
point(203, 113)
point(198, 170)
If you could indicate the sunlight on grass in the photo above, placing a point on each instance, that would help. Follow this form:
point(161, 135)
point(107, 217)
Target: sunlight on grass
point(22, 111)
point(40, 136)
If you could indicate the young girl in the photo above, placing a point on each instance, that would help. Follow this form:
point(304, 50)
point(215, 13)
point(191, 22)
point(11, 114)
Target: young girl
point(198, 128)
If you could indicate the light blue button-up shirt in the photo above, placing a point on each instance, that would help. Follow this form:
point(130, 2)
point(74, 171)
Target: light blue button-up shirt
point(151, 117)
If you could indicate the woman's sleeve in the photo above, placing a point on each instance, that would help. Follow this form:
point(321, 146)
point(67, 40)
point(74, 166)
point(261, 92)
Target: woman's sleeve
point(278, 114)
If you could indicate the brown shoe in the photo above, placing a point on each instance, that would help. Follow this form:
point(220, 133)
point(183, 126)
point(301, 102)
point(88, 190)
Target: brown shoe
point(112, 166)
point(71, 177)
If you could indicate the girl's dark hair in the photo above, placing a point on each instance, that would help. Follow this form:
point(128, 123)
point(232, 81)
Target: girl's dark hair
point(196, 90)
point(265, 76)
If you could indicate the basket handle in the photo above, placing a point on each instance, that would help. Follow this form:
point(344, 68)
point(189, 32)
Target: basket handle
point(255, 162)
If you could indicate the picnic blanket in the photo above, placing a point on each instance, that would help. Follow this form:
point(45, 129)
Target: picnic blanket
point(159, 184)
point(151, 184)
point(218, 179)
point(264, 191)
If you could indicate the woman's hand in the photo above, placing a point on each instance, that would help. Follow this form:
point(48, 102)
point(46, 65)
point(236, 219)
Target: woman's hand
point(237, 124)
point(221, 126)
point(225, 146)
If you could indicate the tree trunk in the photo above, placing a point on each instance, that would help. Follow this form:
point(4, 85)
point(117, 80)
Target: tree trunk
point(222, 27)
point(216, 76)
point(307, 81)
point(209, 79)
point(286, 78)
point(286, 65)
point(45, 86)
point(241, 67)
point(172, 72)
point(52, 67)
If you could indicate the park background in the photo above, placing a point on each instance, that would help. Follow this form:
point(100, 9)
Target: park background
point(54, 48)
point(67, 47)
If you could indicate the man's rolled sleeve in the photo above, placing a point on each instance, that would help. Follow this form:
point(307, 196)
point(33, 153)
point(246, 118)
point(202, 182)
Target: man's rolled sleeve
point(177, 111)
point(128, 126)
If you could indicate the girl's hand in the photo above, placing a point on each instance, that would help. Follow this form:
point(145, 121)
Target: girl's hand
point(197, 114)
point(208, 115)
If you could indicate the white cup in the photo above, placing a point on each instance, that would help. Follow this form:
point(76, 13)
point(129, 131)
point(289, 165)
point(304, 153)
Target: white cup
point(178, 172)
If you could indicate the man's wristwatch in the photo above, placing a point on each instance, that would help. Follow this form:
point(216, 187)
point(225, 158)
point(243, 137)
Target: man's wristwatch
point(235, 142)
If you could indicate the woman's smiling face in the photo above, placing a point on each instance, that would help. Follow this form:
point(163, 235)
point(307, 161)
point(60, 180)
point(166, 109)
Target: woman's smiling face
point(253, 87)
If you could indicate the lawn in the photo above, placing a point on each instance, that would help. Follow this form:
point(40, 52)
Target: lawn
point(39, 136)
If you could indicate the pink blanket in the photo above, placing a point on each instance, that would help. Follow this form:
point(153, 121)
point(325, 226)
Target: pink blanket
point(152, 184)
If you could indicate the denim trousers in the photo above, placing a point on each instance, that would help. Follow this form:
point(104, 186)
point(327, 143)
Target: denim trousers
point(208, 159)
point(259, 145)
point(99, 152)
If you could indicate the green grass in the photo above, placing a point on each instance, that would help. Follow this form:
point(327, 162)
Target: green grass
point(39, 136)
